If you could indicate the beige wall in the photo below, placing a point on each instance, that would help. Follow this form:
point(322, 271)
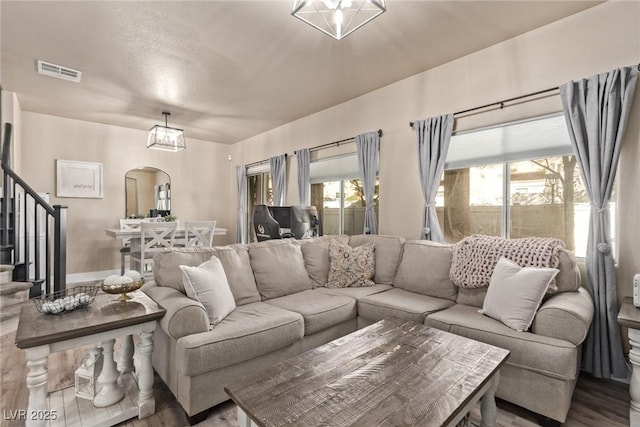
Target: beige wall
point(598, 40)
point(200, 181)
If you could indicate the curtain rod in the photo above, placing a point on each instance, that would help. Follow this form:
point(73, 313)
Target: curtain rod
point(318, 147)
point(260, 162)
point(501, 103)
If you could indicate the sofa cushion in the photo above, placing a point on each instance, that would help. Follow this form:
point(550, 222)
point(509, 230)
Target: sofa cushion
point(207, 284)
point(320, 311)
point(424, 269)
point(355, 293)
point(568, 279)
point(316, 256)
point(237, 267)
point(166, 265)
point(235, 261)
point(399, 303)
point(351, 267)
point(471, 296)
point(278, 267)
point(549, 356)
point(387, 254)
point(251, 330)
point(515, 293)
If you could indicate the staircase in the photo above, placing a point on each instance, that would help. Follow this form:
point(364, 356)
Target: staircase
point(12, 294)
point(32, 240)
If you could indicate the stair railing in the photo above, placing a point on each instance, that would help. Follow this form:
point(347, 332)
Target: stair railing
point(23, 233)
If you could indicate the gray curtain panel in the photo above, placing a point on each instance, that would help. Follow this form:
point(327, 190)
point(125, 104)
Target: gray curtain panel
point(241, 228)
point(368, 145)
point(596, 110)
point(278, 165)
point(434, 135)
point(304, 183)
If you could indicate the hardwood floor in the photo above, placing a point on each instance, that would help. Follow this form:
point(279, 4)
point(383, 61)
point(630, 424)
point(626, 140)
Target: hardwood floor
point(596, 403)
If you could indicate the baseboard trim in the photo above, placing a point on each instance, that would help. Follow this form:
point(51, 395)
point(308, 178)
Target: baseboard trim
point(90, 276)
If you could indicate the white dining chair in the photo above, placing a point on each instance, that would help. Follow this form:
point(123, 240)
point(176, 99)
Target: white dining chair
point(199, 233)
point(155, 237)
point(127, 224)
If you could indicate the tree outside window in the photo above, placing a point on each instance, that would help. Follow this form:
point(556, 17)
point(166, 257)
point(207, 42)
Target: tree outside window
point(542, 197)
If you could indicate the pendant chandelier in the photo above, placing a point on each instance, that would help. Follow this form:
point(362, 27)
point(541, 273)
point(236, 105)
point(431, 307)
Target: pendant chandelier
point(166, 138)
point(337, 18)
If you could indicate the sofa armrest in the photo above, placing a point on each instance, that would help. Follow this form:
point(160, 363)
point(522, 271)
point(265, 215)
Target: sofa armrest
point(566, 316)
point(184, 316)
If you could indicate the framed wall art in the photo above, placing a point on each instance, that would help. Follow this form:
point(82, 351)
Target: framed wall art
point(78, 179)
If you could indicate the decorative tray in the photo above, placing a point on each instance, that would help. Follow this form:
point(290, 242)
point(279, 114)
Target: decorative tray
point(67, 300)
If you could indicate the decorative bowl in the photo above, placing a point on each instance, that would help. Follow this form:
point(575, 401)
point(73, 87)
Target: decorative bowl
point(123, 288)
point(67, 300)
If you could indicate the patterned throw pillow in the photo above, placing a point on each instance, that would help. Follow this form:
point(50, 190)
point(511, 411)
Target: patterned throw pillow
point(351, 267)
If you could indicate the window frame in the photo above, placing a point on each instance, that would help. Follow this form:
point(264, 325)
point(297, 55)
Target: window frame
point(506, 177)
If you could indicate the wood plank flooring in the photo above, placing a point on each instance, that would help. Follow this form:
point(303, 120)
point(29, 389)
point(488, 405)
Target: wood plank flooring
point(596, 403)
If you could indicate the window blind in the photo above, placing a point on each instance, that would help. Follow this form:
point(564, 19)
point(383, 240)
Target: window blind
point(336, 168)
point(536, 138)
point(258, 169)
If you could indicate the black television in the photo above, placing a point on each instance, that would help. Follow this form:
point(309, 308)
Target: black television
point(304, 222)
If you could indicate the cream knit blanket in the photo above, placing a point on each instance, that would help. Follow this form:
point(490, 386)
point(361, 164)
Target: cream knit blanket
point(475, 257)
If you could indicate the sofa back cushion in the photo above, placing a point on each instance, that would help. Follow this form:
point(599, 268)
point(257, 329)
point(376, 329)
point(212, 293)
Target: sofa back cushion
point(237, 266)
point(567, 280)
point(234, 259)
point(316, 257)
point(278, 266)
point(388, 252)
point(424, 269)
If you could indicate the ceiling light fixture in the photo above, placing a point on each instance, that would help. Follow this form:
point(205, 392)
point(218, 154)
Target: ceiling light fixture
point(166, 138)
point(337, 18)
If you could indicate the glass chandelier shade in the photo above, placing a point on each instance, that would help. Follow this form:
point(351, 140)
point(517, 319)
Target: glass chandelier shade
point(337, 18)
point(166, 138)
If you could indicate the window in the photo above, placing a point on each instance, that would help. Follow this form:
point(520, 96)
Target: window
point(338, 195)
point(523, 182)
point(341, 205)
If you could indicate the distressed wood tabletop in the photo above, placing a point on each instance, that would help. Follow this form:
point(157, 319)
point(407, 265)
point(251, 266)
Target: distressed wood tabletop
point(104, 314)
point(392, 373)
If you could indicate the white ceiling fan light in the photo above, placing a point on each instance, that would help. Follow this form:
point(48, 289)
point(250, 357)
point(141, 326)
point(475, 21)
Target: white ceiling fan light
point(337, 18)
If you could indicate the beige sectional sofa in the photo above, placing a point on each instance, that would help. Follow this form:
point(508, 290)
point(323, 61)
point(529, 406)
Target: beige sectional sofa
point(284, 309)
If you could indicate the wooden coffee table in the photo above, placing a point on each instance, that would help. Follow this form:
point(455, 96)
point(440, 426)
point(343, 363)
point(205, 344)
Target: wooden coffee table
point(392, 373)
point(99, 323)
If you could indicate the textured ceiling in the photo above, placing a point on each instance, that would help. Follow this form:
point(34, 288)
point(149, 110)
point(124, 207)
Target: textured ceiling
point(228, 70)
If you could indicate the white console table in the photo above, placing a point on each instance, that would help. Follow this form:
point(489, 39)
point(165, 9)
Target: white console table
point(100, 323)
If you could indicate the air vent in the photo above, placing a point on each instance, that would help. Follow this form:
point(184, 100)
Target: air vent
point(58, 71)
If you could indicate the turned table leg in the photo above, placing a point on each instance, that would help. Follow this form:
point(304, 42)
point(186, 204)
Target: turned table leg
point(146, 401)
point(126, 362)
point(110, 392)
point(634, 384)
point(488, 410)
point(37, 384)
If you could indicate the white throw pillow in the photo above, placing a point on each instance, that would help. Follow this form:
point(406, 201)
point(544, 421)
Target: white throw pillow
point(515, 293)
point(207, 284)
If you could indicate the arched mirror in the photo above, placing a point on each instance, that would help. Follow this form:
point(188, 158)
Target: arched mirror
point(147, 192)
